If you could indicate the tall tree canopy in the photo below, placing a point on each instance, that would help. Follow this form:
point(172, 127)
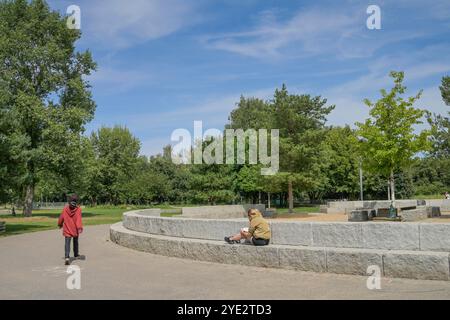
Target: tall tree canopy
point(301, 121)
point(440, 124)
point(116, 154)
point(45, 98)
point(390, 132)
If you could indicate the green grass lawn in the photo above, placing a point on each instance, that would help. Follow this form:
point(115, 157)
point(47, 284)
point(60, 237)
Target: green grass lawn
point(428, 196)
point(305, 210)
point(47, 219)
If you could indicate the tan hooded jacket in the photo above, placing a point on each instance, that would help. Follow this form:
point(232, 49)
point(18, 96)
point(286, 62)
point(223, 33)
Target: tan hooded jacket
point(259, 227)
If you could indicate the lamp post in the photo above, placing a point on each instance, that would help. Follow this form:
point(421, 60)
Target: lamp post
point(361, 140)
point(361, 179)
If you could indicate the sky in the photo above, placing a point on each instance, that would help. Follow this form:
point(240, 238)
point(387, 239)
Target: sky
point(163, 64)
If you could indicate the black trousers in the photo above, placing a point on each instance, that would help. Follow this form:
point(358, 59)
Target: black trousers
point(67, 247)
point(260, 242)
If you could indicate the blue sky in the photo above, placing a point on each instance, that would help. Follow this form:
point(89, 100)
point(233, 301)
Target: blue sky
point(164, 63)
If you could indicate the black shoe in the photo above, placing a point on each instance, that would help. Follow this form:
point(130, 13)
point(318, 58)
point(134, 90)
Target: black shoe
point(67, 261)
point(227, 239)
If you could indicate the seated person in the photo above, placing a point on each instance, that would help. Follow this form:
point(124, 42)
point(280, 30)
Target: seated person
point(258, 232)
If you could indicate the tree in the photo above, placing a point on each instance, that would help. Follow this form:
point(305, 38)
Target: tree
point(301, 120)
point(211, 184)
point(48, 101)
point(445, 90)
point(74, 174)
point(390, 132)
point(431, 175)
point(440, 125)
point(147, 185)
point(116, 154)
point(249, 181)
point(340, 165)
point(251, 113)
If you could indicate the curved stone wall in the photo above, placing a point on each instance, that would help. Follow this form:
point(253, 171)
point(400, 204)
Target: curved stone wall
point(363, 235)
point(405, 250)
point(146, 212)
point(214, 212)
point(395, 263)
point(345, 207)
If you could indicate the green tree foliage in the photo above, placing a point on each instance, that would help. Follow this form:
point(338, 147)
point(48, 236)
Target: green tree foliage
point(45, 99)
point(341, 163)
point(211, 184)
point(445, 90)
point(249, 182)
point(301, 121)
point(147, 186)
point(251, 113)
point(431, 176)
point(116, 155)
point(440, 124)
point(390, 132)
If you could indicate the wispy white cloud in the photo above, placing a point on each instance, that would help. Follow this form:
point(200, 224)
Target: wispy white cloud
point(349, 96)
point(336, 31)
point(309, 30)
point(121, 24)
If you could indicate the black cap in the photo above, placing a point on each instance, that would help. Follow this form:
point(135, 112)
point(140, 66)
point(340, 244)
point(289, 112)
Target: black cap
point(73, 200)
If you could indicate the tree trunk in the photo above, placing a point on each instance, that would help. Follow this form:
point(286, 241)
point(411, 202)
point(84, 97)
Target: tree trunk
point(268, 199)
point(259, 197)
point(389, 189)
point(28, 206)
point(291, 197)
point(392, 186)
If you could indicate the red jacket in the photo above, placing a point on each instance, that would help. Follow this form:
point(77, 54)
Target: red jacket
point(71, 222)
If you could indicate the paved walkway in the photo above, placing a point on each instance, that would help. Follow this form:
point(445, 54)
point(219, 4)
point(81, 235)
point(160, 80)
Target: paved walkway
point(32, 268)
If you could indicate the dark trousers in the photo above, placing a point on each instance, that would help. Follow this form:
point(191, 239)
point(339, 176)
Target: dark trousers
point(260, 242)
point(75, 247)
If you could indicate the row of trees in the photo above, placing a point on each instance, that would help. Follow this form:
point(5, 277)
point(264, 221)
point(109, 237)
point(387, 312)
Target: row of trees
point(45, 103)
point(317, 161)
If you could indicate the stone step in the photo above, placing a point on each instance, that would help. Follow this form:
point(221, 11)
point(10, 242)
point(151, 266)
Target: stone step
point(392, 263)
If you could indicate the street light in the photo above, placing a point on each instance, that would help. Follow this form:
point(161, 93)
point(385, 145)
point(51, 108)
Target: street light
point(362, 140)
